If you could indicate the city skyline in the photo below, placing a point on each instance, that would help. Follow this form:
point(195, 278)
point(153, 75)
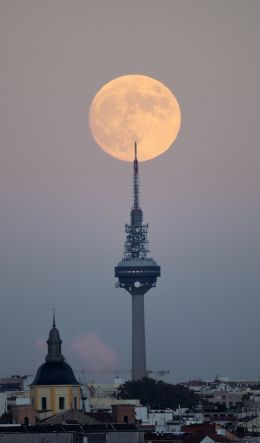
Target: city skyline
point(64, 201)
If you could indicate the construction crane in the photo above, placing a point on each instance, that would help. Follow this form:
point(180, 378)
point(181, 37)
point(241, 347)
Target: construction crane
point(117, 372)
point(160, 372)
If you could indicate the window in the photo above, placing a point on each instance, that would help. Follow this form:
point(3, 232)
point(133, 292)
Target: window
point(125, 418)
point(44, 403)
point(61, 403)
point(75, 405)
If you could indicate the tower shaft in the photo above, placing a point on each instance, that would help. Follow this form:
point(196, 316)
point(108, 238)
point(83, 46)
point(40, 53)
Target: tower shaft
point(138, 337)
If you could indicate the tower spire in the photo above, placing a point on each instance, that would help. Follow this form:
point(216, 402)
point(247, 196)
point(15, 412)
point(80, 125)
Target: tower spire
point(136, 180)
point(53, 318)
point(54, 343)
point(136, 238)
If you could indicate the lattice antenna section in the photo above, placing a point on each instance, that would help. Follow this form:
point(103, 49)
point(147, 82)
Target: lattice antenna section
point(136, 232)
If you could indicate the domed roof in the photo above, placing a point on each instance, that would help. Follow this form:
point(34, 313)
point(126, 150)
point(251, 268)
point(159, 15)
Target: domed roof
point(55, 373)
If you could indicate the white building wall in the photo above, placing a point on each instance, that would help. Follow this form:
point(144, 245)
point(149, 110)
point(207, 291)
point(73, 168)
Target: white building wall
point(3, 402)
point(141, 413)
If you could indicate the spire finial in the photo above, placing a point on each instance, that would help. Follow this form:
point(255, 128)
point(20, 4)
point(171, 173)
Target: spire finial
point(135, 151)
point(53, 317)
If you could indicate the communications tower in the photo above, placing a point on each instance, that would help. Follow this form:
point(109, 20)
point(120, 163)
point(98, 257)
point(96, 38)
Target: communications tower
point(137, 273)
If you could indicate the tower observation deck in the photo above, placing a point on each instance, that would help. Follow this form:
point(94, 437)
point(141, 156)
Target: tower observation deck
point(137, 273)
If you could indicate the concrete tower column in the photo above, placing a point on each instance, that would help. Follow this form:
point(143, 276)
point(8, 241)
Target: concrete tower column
point(138, 337)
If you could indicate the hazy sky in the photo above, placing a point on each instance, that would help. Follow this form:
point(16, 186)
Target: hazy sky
point(64, 202)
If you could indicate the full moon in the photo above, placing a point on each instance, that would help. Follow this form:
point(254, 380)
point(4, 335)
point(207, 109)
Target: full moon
point(134, 108)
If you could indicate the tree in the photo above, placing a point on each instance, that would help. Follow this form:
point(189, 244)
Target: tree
point(158, 394)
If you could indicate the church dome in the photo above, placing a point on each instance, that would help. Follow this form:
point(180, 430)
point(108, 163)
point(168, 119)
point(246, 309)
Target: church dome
point(55, 373)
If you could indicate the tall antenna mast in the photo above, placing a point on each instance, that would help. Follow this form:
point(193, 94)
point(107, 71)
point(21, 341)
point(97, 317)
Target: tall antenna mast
point(136, 239)
point(136, 180)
